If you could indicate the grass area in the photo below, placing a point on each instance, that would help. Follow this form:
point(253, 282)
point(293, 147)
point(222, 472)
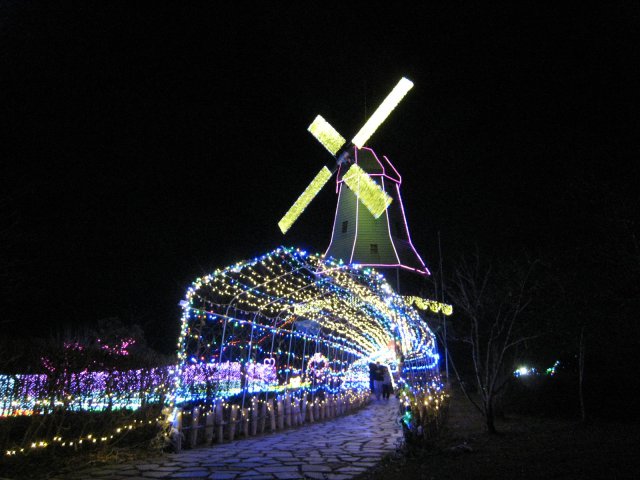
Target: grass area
point(46, 463)
point(526, 448)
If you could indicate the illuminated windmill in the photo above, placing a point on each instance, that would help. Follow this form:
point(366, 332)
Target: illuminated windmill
point(378, 234)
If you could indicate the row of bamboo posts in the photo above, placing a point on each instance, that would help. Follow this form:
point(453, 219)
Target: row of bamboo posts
point(222, 421)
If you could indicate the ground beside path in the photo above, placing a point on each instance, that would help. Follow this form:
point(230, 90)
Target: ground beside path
point(334, 450)
point(527, 448)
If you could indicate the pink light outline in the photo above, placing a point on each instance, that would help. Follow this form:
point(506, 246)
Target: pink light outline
point(389, 265)
point(384, 171)
point(406, 226)
point(355, 237)
point(335, 219)
point(386, 212)
point(394, 168)
point(425, 270)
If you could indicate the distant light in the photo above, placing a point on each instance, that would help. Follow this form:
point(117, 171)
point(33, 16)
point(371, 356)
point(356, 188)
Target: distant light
point(383, 111)
point(552, 370)
point(525, 371)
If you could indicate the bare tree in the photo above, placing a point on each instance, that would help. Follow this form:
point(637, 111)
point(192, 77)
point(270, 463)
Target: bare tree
point(490, 300)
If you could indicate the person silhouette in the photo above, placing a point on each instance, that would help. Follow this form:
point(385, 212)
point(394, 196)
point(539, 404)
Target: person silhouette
point(372, 374)
point(378, 378)
point(386, 382)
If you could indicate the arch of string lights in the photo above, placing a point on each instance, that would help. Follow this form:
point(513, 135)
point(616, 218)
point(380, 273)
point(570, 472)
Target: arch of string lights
point(284, 322)
point(289, 319)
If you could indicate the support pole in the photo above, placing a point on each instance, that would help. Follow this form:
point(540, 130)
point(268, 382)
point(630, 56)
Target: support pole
point(247, 363)
point(208, 427)
point(193, 433)
point(254, 416)
point(443, 316)
point(219, 421)
point(233, 422)
point(280, 405)
point(263, 416)
point(272, 415)
point(177, 441)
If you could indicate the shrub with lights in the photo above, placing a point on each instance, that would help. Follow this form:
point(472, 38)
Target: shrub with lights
point(424, 408)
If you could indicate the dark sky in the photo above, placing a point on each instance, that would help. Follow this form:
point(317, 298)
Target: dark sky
point(146, 145)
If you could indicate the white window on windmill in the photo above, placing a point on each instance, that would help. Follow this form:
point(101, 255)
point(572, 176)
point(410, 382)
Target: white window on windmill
point(345, 225)
point(374, 248)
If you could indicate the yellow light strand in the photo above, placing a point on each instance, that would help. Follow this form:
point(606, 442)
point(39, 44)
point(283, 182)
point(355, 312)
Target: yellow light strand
point(382, 112)
point(368, 192)
point(326, 135)
point(303, 201)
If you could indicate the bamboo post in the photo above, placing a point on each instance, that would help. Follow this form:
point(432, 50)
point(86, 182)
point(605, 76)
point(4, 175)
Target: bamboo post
point(298, 419)
point(208, 429)
point(254, 416)
point(177, 441)
point(263, 416)
point(272, 415)
point(219, 421)
point(303, 409)
point(280, 404)
point(245, 422)
point(293, 411)
point(287, 409)
point(310, 408)
point(233, 422)
point(193, 432)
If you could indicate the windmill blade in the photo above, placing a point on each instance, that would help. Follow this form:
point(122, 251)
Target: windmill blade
point(326, 135)
point(383, 111)
point(304, 200)
point(368, 192)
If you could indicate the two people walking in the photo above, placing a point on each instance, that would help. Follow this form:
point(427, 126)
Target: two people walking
point(380, 380)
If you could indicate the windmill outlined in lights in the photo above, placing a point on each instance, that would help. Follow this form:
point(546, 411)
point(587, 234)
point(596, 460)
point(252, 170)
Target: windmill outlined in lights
point(378, 235)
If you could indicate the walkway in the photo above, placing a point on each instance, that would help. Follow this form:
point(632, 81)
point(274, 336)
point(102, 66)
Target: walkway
point(334, 450)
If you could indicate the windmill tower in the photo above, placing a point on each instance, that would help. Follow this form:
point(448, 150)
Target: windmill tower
point(359, 237)
point(370, 226)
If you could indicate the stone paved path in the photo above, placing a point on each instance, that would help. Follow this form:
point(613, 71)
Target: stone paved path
point(334, 450)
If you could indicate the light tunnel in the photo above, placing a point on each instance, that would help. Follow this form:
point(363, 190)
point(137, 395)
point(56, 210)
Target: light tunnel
point(292, 320)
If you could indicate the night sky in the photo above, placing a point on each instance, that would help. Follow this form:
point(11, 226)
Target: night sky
point(145, 146)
